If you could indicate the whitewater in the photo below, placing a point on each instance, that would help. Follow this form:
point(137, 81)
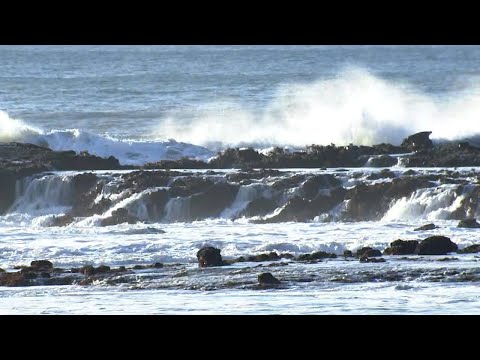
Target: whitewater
point(143, 104)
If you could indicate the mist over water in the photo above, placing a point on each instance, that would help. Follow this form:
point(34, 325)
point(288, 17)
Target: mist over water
point(353, 107)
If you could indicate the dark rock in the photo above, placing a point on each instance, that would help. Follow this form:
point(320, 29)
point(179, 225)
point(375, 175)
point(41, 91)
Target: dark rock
point(259, 207)
point(209, 256)
point(213, 201)
point(347, 253)
point(155, 204)
point(119, 216)
point(418, 141)
point(57, 281)
point(267, 279)
point(470, 249)
point(370, 202)
point(189, 185)
point(368, 252)
point(273, 256)
point(426, 227)
point(16, 279)
point(401, 247)
point(102, 269)
point(62, 220)
point(436, 245)
point(410, 172)
point(255, 174)
point(157, 265)
point(366, 259)
point(82, 183)
point(299, 209)
point(7, 189)
point(41, 265)
point(313, 184)
point(382, 161)
point(316, 256)
point(468, 223)
point(87, 270)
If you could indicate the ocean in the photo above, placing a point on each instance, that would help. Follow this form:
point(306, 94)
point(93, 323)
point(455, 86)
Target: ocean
point(143, 104)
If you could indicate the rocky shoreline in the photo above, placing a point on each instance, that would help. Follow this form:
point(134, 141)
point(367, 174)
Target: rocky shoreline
point(43, 272)
point(292, 196)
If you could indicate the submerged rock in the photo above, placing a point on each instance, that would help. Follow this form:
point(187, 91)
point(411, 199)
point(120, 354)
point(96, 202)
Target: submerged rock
point(470, 249)
point(368, 252)
point(366, 259)
point(267, 279)
point(436, 245)
point(426, 227)
point(469, 223)
point(209, 256)
point(316, 256)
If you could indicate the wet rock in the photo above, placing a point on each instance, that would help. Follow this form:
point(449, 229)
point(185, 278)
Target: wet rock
point(267, 279)
point(366, 259)
point(370, 202)
point(436, 245)
point(64, 280)
point(189, 185)
point(401, 247)
point(469, 223)
point(426, 227)
point(7, 189)
point(238, 177)
point(156, 265)
point(62, 220)
point(237, 158)
point(138, 181)
point(213, 201)
point(155, 204)
point(418, 141)
point(469, 249)
point(410, 172)
point(16, 279)
point(368, 252)
point(316, 256)
point(272, 256)
point(313, 184)
point(82, 183)
point(347, 253)
point(87, 270)
point(259, 207)
point(102, 269)
point(382, 161)
point(209, 256)
point(447, 259)
point(299, 209)
point(119, 216)
point(41, 265)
